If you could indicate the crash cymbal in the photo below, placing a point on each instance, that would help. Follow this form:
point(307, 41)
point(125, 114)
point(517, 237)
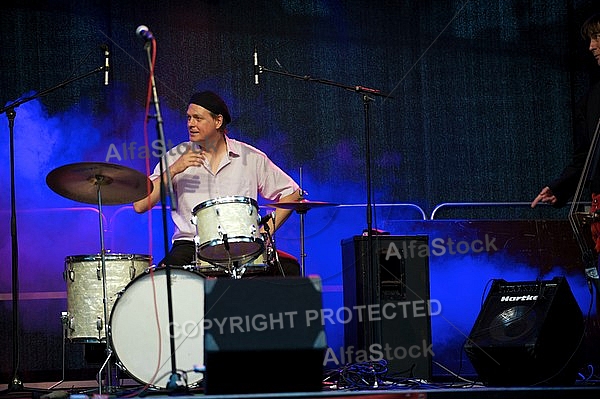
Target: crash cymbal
point(80, 181)
point(302, 205)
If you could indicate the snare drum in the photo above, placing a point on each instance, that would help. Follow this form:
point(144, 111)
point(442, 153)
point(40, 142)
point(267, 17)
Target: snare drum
point(85, 291)
point(139, 326)
point(228, 230)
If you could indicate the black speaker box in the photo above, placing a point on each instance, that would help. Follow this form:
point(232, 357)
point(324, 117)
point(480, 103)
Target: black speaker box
point(263, 335)
point(398, 288)
point(527, 334)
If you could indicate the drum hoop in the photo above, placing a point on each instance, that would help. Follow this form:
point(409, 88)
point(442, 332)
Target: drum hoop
point(219, 241)
point(98, 257)
point(225, 200)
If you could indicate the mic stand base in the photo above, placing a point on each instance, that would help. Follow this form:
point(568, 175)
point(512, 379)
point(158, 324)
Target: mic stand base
point(176, 385)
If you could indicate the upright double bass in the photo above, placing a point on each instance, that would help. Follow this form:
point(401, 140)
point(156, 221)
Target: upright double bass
point(586, 223)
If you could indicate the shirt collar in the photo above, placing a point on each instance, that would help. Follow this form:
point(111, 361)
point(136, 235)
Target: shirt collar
point(233, 147)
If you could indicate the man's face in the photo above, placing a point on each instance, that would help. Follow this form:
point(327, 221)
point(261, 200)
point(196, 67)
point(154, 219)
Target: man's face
point(201, 124)
point(595, 46)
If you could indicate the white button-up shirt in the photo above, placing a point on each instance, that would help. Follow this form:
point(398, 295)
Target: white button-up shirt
point(244, 171)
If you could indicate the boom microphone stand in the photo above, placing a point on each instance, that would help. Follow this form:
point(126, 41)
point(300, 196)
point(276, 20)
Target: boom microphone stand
point(175, 383)
point(372, 292)
point(16, 385)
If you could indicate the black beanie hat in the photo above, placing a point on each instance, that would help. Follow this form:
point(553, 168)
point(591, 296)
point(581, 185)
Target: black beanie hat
point(212, 102)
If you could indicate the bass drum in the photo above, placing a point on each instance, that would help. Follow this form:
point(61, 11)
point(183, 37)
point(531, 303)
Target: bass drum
point(139, 327)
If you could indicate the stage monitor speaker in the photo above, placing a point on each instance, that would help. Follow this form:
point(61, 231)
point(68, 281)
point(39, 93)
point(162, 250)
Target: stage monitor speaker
point(527, 334)
point(263, 335)
point(398, 290)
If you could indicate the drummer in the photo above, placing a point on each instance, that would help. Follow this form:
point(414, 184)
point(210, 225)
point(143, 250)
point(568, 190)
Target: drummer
point(212, 165)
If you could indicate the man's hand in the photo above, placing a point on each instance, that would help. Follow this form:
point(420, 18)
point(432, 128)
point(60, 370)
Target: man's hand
point(191, 157)
point(546, 196)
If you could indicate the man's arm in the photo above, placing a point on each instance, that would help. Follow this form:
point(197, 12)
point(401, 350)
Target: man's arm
point(187, 159)
point(148, 202)
point(281, 215)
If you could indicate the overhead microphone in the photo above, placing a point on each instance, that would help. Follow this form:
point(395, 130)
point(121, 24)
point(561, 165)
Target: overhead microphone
point(256, 67)
point(104, 47)
point(143, 32)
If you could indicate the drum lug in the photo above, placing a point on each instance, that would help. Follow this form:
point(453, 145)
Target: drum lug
point(69, 272)
point(194, 220)
point(131, 272)
point(70, 322)
point(99, 326)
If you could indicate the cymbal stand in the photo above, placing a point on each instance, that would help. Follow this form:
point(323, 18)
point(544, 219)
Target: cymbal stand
point(99, 182)
point(302, 213)
point(16, 385)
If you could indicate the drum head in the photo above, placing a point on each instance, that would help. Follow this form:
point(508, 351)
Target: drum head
point(139, 326)
point(240, 250)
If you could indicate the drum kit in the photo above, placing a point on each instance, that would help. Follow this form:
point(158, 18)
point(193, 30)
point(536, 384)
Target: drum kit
point(119, 288)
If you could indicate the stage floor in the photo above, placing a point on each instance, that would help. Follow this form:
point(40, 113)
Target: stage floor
point(129, 389)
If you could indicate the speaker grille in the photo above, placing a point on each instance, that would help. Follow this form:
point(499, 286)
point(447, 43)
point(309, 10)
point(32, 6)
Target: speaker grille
point(527, 334)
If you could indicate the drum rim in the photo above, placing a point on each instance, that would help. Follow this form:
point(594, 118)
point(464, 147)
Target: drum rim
point(119, 256)
point(225, 200)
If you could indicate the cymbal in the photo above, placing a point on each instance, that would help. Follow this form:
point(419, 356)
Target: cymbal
point(302, 205)
point(80, 181)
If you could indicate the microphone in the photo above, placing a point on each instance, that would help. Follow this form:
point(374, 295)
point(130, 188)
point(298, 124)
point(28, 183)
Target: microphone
point(256, 67)
point(104, 47)
point(143, 32)
point(266, 218)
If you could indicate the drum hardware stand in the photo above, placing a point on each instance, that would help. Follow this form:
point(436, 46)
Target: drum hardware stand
point(237, 271)
point(302, 214)
point(271, 239)
point(99, 182)
point(374, 335)
point(64, 320)
point(16, 385)
point(176, 383)
point(233, 267)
